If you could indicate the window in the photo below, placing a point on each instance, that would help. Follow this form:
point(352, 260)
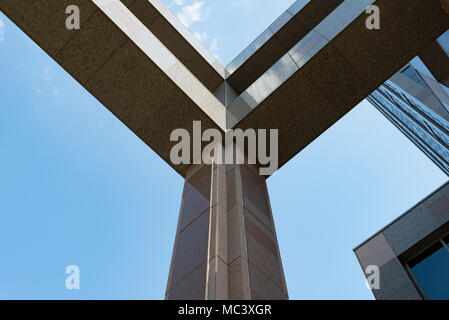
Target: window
point(413, 75)
point(430, 270)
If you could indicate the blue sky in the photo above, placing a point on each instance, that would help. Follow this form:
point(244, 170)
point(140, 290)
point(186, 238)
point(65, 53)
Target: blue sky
point(78, 187)
point(227, 27)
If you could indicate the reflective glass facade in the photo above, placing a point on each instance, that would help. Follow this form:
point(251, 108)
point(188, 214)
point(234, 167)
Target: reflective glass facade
point(422, 125)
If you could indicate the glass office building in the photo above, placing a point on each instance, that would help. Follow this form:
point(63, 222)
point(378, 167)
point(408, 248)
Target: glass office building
point(418, 106)
point(412, 252)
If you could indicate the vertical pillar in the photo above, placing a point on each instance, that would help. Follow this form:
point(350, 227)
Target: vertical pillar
point(226, 245)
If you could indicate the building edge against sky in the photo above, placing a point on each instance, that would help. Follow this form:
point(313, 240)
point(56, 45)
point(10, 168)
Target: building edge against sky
point(307, 72)
point(412, 252)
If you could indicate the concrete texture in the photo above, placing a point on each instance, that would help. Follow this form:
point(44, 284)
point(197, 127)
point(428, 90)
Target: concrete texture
point(280, 42)
point(395, 283)
point(44, 21)
point(309, 102)
point(418, 223)
point(226, 245)
point(152, 99)
point(377, 251)
point(437, 61)
point(150, 73)
point(188, 52)
point(395, 245)
point(111, 67)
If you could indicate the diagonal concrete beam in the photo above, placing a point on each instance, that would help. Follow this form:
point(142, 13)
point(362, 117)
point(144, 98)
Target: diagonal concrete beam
point(123, 65)
point(295, 23)
point(180, 41)
point(137, 76)
point(437, 61)
point(226, 244)
point(326, 75)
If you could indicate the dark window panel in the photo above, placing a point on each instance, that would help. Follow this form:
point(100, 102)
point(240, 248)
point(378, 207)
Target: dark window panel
point(431, 270)
point(446, 239)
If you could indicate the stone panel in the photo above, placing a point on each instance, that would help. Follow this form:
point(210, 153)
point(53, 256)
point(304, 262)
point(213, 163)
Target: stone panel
point(239, 287)
point(262, 288)
point(395, 283)
point(192, 287)
point(191, 250)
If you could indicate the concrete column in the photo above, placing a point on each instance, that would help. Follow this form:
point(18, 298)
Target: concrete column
point(226, 245)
